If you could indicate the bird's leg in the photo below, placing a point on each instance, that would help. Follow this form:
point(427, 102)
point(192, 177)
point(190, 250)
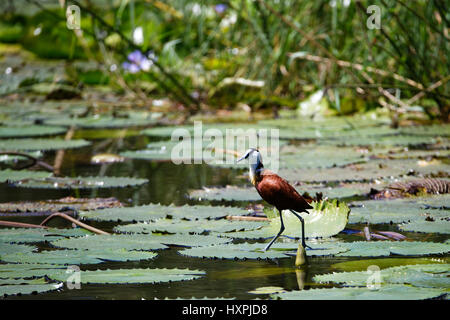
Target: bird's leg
point(303, 230)
point(280, 232)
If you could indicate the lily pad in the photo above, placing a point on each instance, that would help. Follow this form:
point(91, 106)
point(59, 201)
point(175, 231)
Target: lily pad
point(122, 276)
point(437, 226)
point(371, 170)
point(17, 175)
point(29, 131)
point(41, 144)
point(423, 275)
point(387, 248)
point(11, 271)
point(29, 287)
point(388, 140)
point(181, 226)
point(101, 122)
point(80, 182)
point(76, 257)
point(394, 292)
point(152, 212)
point(395, 211)
point(20, 235)
point(362, 265)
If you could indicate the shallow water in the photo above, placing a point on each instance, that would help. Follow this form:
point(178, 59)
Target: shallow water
point(169, 183)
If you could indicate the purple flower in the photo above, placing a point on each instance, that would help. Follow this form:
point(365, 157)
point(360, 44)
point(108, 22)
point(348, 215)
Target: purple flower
point(137, 61)
point(220, 8)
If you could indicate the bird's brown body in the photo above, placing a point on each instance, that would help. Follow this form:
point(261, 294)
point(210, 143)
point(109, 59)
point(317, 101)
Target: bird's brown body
point(279, 193)
point(276, 191)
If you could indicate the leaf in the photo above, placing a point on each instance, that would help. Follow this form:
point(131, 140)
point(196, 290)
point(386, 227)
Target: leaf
point(22, 235)
point(76, 257)
point(101, 122)
point(29, 131)
point(182, 226)
point(388, 141)
point(267, 290)
point(28, 287)
point(371, 170)
point(152, 212)
point(394, 292)
point(387, 248)
point(80, 182)
point(421, 275)
point(20, 271)
point(396, 210)
point(439, 225)
point(17, 175)
point(123, 276)
point(41, 144)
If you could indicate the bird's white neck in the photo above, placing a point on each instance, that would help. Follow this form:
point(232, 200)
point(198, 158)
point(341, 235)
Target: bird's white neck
point(255, 168)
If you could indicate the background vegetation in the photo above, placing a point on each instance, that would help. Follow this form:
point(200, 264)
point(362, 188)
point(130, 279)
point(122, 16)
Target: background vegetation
point(210, 55)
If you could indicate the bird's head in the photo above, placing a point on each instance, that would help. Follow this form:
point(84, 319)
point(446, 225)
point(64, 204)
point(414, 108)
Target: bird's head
point(253, 155)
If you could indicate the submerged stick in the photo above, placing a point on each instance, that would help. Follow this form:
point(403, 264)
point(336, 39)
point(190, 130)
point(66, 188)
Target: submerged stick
point(75, 221)
point(247, 218)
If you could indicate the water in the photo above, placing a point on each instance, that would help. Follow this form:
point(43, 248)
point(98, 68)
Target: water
point(169, 183)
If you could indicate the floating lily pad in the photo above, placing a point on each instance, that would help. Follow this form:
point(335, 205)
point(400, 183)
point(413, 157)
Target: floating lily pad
point(21, 235)
point(80, 182)
point(395, 211)
point(233, 251)
point(10, 271)
point(181, 226)
point(8, 158)
point(29, 131)
point(76, 257)
point(387, 248)
point(7, 248)
point(393, 292)
point(371, 170)
point(101, 122)
point(41, 144)
point(17, 175)
point(388, 140)
point(152, 212)
point(423, 275)
point(436, 226)
point(442, 130)
point(122, 276)
point(28, 287)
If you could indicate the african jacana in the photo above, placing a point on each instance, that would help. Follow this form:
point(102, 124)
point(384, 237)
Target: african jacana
point(276, 191)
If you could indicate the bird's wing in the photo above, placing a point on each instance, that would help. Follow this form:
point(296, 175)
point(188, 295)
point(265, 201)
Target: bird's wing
point(278, 192)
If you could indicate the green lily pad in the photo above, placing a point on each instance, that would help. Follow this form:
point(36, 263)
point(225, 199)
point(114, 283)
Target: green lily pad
point(122, 276)
point(80, 182)
point(41, 144)
point(28, 287)
point(233, 251)
point(423, 275)
point(8, 158)
point(396, 210)
point(442, 130)
point(393, 292)
point(11, 271)
point(76, 257)
point(182, 226)
point(371, 170)
point(436, 226)
point(29, 131)
point(152, 212)
point(110, 242)
point(101, 122)
point(21, 235)
point(388, 140)
point(387, 248)
point(7, 248)
point(17, 175)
